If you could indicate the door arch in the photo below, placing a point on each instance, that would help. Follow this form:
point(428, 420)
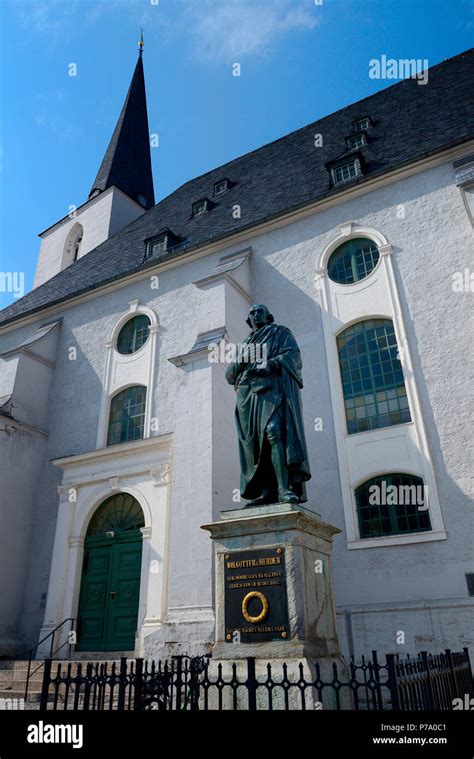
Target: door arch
point(110, 582)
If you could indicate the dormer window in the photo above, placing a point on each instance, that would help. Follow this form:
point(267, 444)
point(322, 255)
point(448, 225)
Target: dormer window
point(355, 141)
point(143, 201)
point(346, 171)
point(360, 124)
point(200, 207)
point(161, 244)
point(221, 186)
point(158, 247)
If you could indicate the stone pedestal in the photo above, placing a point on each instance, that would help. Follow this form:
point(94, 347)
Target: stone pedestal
point(268, 558)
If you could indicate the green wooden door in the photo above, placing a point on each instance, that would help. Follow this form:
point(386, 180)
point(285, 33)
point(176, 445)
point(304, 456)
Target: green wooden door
point(94, 597)
point(110, 590)
point(124, 596)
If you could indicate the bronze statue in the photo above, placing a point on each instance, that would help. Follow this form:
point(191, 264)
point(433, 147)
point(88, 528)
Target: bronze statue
point(272, 447)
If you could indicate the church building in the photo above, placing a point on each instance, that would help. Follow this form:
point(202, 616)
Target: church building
point(117, 431)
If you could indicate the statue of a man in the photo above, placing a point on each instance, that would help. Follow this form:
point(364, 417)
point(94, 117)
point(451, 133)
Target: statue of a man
point(272, 446)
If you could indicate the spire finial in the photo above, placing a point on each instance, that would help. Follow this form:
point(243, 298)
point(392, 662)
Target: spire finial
point(141, 43)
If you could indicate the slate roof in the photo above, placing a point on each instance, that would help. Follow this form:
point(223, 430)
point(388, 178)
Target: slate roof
point(127, 160)
point(411, 121)
point(41, 332)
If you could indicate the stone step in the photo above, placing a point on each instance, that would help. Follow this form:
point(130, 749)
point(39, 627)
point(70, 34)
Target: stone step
point(22, 667)
point(14, 673)
point(13, 700)
point(6, 678)
point(9, 694)
point(19, 675)
point(34, 685)
point(101, 656)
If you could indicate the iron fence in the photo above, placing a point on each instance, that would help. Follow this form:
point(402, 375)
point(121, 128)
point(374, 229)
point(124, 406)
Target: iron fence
point(429, 681)
point(424, 682)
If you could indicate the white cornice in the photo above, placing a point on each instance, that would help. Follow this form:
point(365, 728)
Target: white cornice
point(259, 228)
point(213, 279)
point(115, 452)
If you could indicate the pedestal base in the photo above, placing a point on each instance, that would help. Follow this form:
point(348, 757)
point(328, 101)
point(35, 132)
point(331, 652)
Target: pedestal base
point(278, 556)
point(276, 640)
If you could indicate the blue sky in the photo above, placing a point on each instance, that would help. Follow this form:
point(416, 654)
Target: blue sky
point(299, 61)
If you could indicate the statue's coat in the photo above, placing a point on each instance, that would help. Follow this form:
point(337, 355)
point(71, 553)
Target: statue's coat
point(258, 398)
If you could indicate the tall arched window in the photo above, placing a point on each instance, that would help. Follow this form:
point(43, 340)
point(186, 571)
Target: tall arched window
point(72, 246)
point(372, 377)
point(127, 415)
point(392, 504)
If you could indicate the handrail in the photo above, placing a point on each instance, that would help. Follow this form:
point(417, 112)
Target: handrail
point(33, 650)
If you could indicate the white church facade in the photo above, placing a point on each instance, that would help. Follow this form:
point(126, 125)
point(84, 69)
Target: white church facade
point(117, 432)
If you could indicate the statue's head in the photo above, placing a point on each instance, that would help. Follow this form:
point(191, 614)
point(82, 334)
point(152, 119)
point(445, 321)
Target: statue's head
point(259, 316)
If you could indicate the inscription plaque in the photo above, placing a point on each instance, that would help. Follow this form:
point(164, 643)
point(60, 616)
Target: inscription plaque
point(256, 605)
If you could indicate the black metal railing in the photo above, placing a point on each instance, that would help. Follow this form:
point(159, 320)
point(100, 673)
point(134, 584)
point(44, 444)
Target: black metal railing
point(424, 682)
point(430, 681)
point(53, 651)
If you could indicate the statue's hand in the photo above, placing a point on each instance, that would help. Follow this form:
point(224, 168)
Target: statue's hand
point(263, 371)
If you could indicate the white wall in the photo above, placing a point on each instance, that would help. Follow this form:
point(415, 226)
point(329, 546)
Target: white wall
point(25, 376)
point(100, 218)
point(431, 242)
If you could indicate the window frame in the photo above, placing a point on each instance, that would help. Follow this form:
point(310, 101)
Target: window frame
point(362, 124)
point(106, 518)
point(392, 515)
point(133, 318)
point(171, 241)
point(225, 182)
point(156, 241)
point(353, 258)
point(349, 400)
point(351, 137)
point(73, 245)
point(205, 203)
point(340, 166)
point(386, 446)
point(122, 391)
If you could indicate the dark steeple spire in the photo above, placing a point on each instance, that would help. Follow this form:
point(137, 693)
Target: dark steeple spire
point(127, 161)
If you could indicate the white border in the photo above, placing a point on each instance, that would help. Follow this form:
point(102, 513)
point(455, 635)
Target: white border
point(146, 379)
point(384, 270)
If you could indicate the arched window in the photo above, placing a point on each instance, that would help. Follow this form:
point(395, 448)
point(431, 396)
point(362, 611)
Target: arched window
point(76, 247)
point(392, 504)
point(353, 261)
point(72, 247)
point(127, 415)
point(372, 377)
point(119, 513)
point(133, 334)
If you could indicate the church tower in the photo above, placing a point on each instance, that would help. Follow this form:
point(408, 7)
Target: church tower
point(122, 189)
